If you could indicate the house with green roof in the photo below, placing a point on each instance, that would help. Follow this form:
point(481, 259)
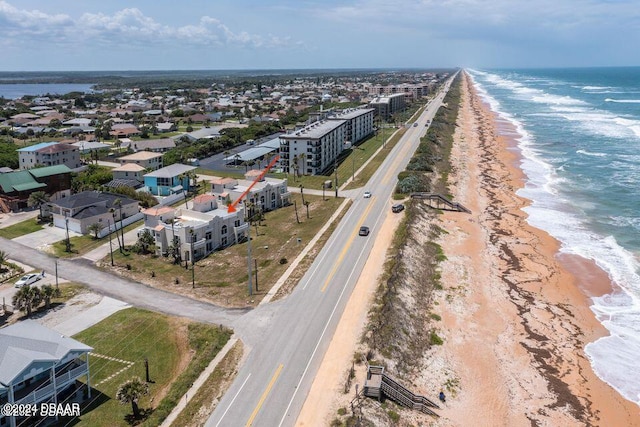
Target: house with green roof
point(15, 187)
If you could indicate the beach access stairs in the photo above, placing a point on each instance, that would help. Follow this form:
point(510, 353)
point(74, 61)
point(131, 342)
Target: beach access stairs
point(379, 384)
point(438, 201)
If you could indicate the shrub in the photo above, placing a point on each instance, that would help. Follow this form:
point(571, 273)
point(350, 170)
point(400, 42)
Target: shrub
point(434, 339)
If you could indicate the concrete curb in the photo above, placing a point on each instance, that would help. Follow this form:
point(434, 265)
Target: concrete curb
point(198, 382)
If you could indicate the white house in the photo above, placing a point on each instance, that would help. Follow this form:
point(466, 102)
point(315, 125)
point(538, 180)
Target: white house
point(37, 365)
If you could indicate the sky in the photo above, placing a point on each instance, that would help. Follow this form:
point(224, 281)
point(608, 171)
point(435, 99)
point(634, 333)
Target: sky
point(85, 35)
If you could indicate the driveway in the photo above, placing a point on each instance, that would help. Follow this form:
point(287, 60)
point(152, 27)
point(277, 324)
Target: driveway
point(46, 236)
point(7, 219)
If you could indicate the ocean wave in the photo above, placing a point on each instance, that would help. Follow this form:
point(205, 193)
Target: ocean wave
point(555, 209)
point(623, 101)
point(588, 153)
point(591, 88)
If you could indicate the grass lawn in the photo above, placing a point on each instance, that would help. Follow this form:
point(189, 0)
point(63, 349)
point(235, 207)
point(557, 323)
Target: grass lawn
point(222, 277)
point(205, 401)
point(20, 229)
point(80, 245)
point(363, 177)
point(177, 351)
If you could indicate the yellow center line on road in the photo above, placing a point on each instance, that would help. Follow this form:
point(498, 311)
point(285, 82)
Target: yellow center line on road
point(264, 395)
point(348, 245)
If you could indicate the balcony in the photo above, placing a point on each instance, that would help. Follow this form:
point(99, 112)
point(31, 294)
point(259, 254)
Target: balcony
point(43, 389)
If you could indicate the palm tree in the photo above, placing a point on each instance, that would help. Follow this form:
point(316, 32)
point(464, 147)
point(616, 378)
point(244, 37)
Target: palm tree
point(95, 229)
point(48, 292)
point(130, 392)
point(303, 157)
point(37, 199)
point(27, 298)
point(295, 167)
point(3, 259)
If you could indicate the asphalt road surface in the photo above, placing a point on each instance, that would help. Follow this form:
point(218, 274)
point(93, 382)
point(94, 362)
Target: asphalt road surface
point(287, 340)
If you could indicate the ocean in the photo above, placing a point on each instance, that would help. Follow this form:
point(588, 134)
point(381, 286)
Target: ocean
point(579, 136)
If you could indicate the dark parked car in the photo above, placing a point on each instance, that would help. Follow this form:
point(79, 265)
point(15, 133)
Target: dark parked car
point(397, 208)
point(364, 231)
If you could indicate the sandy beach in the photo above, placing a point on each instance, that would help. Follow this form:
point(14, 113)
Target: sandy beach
point(517, 322)
point(515, 315)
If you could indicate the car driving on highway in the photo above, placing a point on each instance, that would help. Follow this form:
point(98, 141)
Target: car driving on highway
point(364, 231)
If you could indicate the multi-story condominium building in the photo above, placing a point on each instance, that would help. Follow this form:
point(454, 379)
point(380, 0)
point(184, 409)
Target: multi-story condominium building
point(386, 106)
point(39, 365)
point(416, 90)
point(359, 123)
point(196, 232)
point(147, 159)
point(267, 194)
point(49, 154)
point(314, 148)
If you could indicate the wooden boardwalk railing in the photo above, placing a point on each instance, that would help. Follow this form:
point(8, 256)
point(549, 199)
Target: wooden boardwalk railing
point(441, 202)
point(378, 383)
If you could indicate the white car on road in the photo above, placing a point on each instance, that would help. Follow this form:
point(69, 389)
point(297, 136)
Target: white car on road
point(367, 194)
point(28, 279)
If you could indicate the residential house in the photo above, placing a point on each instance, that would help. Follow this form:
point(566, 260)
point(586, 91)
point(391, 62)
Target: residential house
point(129, 171)
point(79, 211)
point(15, 187)
point(49, 154)
point(120, 130)
point(166, 127)
point(197, 232)
point(38, 365)
point(169, 179)
point(146, 159)
point(155, 145)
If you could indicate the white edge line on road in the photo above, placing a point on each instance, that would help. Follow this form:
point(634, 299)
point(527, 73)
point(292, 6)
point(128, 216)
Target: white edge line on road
point(233, 400)
point(342, 224)
point(320, 340)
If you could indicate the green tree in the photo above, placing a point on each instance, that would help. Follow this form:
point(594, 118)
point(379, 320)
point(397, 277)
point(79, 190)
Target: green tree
point(130, 392)
point(27, 298)
point(95, 229)
point(48, 292)
point(145, 241)
point(37, 199)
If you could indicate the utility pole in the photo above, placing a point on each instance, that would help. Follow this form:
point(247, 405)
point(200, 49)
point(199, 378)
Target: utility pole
point(56, 264)
point(110, 245)
point(335, 169)
point(250, 281)
point(255, 264)
point(193, 261)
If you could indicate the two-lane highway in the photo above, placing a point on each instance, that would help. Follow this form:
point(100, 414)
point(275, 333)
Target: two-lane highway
point(286, 340)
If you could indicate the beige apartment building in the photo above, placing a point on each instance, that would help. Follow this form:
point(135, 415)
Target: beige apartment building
point(147, 159)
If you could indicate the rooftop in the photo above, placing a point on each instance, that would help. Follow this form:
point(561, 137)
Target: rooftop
point(171, 171)
point(140, 155)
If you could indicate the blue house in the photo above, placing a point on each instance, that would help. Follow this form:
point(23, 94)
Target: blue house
point(168, 180)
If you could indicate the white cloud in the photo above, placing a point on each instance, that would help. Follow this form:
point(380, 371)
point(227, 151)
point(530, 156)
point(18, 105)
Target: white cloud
point(125, 27)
